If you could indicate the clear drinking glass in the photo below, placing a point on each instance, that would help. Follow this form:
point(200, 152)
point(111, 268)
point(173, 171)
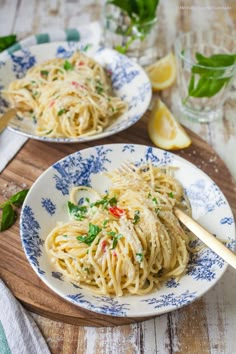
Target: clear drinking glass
point(137, 41)
point(204, 78)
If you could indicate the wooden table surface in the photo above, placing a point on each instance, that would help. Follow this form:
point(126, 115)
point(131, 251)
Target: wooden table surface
point(209, 324)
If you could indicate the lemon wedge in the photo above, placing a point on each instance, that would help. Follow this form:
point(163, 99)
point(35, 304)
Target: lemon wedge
point(162, 73)
point(164, 130)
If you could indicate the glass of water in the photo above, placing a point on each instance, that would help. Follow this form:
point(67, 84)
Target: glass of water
point(206, 67)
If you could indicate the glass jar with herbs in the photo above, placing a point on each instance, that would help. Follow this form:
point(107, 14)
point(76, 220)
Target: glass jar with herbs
point(130, 27)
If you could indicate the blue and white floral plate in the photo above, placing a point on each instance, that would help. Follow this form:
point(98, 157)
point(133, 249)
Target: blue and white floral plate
point(129, 81)
point(46, 204)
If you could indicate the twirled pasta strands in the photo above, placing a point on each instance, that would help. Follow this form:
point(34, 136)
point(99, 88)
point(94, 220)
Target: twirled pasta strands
point(128, 241)
point(67, 98)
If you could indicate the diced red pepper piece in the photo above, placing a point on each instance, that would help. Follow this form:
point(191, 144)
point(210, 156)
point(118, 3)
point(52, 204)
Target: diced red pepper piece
point(117, 212)
point(104, 245)
point(51, 103)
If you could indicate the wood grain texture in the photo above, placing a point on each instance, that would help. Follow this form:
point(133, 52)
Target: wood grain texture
point(206, 326)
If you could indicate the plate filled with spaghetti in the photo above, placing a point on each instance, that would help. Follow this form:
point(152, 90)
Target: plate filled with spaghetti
point(98, 228)
point(72, 92)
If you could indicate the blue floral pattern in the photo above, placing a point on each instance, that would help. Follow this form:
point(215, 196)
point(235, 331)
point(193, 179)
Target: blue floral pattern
point(122, 71)
point(108, 305)
point(172, 283)
point(31, 241)
point(22, 62)
point(205, 197)
point(172, 300)
point(76, 171)
point(57, 275)
point(48, 205)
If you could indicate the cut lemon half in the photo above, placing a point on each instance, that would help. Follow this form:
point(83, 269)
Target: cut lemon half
point(164, 130)
point(162, 73)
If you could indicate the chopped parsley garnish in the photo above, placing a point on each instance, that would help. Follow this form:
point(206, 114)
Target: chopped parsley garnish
point(104, 224)
point(61, 111)
point(35, 93)
point(68, 66)
point(44, 73)
point(105, 202)
point(136, 216)
point(111, 233)
point(99, 87)
point(77, 212)
point(116, 237)
point(139, 257)
point(86, 47)
point(155, 200)
point(171, 195)
point(92, 234)
point(49, 132)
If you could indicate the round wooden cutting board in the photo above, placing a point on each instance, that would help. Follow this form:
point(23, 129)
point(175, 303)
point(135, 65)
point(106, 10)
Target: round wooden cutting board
point(24, 169)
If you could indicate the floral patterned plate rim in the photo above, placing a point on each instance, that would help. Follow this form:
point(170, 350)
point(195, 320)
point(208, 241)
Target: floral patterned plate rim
point(46, 203)
point(129, 81)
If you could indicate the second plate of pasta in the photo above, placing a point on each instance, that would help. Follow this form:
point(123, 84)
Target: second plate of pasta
point(72, 92)
point(98, 228)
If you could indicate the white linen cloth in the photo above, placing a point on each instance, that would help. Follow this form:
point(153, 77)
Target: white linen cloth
point(18, 331)
point(10, 142)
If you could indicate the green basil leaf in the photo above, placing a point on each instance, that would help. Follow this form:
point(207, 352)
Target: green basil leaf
point(18, 198)
point(208, 87)
point(124, 5)
point(136, 217)
point(68, 66)
point(92, 234)
point(7, 41)
point(207, 72)
point(191, 85)
point(216, 60)
point(8, 217)
point(139, 257)
point(115, 241)
point(77, 212)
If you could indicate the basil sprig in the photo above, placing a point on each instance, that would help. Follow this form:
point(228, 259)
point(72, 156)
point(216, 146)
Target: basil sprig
point(9, 213)
point(210, 75)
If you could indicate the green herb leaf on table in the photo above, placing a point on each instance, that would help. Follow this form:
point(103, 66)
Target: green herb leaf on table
point(7, 41)
point(18, 198)
point(9, 213)
point(8, 217)
point(210, 75)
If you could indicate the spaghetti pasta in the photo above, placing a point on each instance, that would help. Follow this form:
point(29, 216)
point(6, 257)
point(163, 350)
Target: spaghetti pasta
point(67, 98)
point(127, 241)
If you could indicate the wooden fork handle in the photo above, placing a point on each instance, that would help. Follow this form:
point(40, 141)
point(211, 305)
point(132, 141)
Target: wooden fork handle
point(206, 237)
point(6, 117)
